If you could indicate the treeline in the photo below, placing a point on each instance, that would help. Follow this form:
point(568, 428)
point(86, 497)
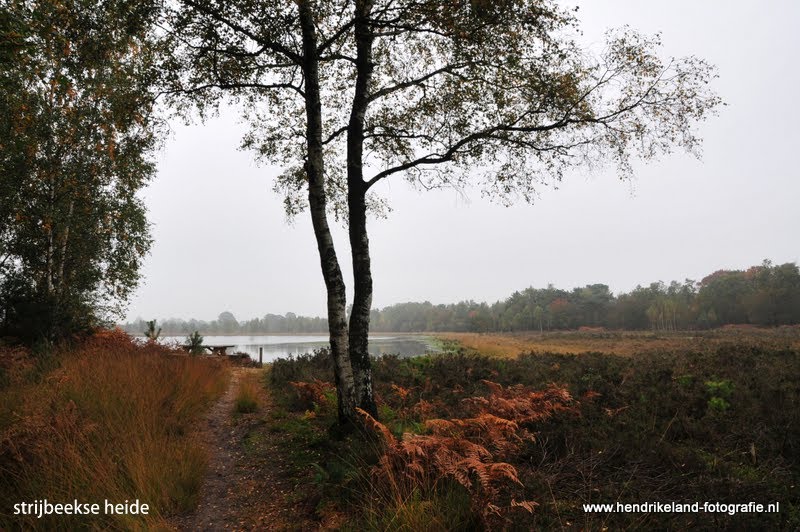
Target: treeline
point(227, 323)
point(765, 295)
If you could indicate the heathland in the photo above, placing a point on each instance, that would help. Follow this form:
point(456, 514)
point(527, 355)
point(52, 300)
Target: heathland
point(524, 437)
point(500, 431)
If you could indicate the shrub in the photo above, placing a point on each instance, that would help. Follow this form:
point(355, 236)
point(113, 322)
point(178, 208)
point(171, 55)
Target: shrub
point(311, 395)
point(719, 388)
point(317, 365)
point(194, 343)
point(718, 403)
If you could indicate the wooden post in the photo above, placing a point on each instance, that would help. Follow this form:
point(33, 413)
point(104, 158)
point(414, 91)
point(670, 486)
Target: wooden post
point(260, 353)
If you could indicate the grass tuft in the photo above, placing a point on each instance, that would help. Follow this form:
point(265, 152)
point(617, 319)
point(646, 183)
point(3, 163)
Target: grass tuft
point(247, 396)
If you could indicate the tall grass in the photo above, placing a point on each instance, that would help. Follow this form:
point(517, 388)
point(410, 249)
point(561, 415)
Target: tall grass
point(114, 422)
point(247, 395)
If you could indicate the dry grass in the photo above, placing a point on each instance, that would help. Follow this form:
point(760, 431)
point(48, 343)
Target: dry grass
point(247, 395)
point(114, 422)
point(509, 345)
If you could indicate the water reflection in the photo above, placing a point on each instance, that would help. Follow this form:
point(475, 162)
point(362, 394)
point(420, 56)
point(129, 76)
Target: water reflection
point(284, 346)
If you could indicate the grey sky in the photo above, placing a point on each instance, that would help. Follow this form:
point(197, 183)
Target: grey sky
point(221, 241)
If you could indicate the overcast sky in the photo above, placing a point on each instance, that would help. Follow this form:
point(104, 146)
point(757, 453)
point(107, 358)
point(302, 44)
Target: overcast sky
point(222, 242)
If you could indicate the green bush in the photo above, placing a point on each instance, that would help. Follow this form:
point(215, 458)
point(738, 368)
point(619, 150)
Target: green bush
point(719, 388)
point(194, 343)
point(719, 404)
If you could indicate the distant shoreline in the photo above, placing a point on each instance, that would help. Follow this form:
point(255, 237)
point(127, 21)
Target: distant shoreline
point(322, 335)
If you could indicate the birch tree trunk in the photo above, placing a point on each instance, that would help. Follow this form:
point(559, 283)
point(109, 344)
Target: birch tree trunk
point(357, 209)
point(63, 250)
point(331, 272)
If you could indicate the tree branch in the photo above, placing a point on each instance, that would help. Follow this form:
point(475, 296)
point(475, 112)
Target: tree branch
point(333, 38)
point(236, 85)
point(418, 81)
point(271, 45)
point(334, 135)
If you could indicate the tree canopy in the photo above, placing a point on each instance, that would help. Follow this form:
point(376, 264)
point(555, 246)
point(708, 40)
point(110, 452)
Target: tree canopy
point(347, 94)
point(500, 91)
point(77, 132)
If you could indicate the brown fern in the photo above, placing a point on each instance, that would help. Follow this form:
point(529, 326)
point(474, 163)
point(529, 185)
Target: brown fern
point(401, 392)
point(312, 393)
point(377, 427)
point(468, 450)
point(517, 403)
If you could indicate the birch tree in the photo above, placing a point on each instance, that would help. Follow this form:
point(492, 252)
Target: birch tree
point(495, 95)
point(77, 132)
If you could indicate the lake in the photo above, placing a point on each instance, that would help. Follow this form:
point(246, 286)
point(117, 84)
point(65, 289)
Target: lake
point(284, 345)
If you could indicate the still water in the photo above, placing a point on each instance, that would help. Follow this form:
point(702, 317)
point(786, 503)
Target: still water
point(284, 346)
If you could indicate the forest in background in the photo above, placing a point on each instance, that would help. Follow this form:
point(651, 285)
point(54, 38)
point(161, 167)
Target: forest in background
point(763, 295)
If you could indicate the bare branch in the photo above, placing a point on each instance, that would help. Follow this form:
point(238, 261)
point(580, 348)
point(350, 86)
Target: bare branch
point(335, 37)
point(334, 135)
point(235, 85)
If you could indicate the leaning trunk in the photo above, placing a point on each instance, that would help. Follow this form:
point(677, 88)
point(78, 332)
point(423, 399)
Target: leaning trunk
point(357, 215)
point(334, 282)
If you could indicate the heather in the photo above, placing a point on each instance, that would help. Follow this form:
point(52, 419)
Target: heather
point(464, 440)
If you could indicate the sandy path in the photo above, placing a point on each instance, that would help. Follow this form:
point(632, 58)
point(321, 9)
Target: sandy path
point(245, 487)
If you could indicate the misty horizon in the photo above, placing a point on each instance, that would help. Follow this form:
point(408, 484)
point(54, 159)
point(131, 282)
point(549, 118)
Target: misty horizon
point(321, 314)
point(226, 244)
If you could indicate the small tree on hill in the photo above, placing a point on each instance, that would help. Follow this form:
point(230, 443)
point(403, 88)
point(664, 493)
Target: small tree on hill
point(151, 333)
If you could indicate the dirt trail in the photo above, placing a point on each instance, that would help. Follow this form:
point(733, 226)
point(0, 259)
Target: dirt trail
point(245, 487)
